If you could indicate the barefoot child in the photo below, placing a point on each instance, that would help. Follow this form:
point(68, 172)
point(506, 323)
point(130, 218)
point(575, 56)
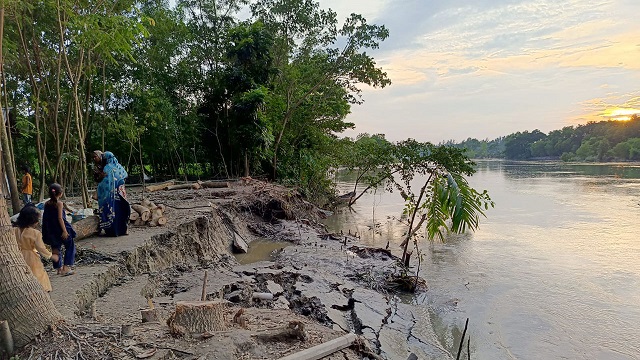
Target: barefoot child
point(30, 244)
point(57, 232)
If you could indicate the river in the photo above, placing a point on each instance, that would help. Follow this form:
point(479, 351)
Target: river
point(552, 273)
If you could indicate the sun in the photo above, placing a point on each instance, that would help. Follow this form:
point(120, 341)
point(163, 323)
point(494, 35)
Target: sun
point(620, 114)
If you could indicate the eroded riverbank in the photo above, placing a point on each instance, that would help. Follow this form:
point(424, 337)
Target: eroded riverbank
point(327, 284)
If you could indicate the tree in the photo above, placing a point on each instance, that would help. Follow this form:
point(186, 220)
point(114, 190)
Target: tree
point(311, 68)
point(444, 202)
point(25, 305)
point(6, 147)
point(370, 157)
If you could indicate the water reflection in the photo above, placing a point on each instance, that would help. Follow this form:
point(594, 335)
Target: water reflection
point(261, 250)
point(553, 272)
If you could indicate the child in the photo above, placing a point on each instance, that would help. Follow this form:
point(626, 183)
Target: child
point(27, 186)
point(56, 231)
point(30, 241)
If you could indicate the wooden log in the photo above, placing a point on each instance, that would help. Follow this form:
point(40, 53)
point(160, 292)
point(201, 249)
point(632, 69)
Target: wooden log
point(324, 349)
point(239, 245)
point(87, 227)
point(214, 184)
point(197, 316)
point(139, 222)
point(294, 330)
point(151, 205)
point(193, 186)
point(262, 296)
point(155, 216)
point(160, 186)
point(162, 207)
point(134, 216)
point(149, 315)
point(162, 221)
point(143, 211)
point(6, 340)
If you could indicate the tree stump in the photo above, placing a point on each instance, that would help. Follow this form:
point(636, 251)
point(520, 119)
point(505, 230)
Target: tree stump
point(197, 317)
point(149, 315)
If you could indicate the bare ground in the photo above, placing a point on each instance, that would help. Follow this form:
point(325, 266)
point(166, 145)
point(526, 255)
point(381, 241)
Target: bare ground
point(330, 287)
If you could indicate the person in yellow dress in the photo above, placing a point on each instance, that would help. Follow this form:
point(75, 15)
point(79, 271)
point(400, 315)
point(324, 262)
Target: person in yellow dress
point(30, 243)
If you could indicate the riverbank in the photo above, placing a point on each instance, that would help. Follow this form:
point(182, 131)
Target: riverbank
point(328, 283)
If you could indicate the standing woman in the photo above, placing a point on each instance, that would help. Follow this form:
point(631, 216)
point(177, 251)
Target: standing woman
point(112, 196)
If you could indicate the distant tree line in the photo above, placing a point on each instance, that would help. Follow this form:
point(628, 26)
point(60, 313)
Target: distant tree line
point(595, 141)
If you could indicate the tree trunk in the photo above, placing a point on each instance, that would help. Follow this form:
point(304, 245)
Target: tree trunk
point(25, 305)
point(87, 227)
point(197, 317)
point(6, 151)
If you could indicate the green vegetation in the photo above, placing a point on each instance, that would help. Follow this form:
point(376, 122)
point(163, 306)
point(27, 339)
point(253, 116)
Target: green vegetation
point(194, 90)
point(595, 141)
point(198, 90)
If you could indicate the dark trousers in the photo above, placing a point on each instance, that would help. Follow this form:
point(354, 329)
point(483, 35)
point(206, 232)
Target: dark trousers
point(69, 257)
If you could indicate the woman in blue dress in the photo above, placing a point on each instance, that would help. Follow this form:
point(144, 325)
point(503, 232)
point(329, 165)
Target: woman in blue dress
point(112, 196)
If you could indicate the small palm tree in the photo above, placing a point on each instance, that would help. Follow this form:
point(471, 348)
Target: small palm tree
point(445, 202)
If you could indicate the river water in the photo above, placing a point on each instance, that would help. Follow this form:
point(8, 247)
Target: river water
point(552, 273)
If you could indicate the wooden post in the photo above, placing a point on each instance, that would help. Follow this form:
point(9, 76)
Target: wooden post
point(204, 286)
point(324, 349)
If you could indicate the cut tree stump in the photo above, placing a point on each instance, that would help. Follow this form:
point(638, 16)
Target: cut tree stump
point(197, 317)
point(160, 186)
point(87, 227)
point(149, 315)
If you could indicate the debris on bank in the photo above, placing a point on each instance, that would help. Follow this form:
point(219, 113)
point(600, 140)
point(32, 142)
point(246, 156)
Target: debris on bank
point(315, 291)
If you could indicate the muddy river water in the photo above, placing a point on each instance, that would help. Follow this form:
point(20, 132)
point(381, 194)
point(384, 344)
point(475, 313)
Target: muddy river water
point(552, 273)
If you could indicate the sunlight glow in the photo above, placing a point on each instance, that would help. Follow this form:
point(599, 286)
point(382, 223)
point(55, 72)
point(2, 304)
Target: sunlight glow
point(620, 114)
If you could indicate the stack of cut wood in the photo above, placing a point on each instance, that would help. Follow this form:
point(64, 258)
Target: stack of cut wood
point(148, 213)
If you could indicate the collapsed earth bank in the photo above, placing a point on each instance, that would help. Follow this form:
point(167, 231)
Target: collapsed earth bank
point(326, 282)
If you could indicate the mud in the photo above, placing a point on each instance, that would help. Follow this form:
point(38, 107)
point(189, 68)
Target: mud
point(330, 283)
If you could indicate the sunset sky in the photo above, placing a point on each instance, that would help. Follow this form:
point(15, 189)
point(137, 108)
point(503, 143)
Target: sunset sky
point(486, 68)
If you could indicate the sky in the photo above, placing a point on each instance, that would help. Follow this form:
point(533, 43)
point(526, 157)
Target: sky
point(489, 68)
